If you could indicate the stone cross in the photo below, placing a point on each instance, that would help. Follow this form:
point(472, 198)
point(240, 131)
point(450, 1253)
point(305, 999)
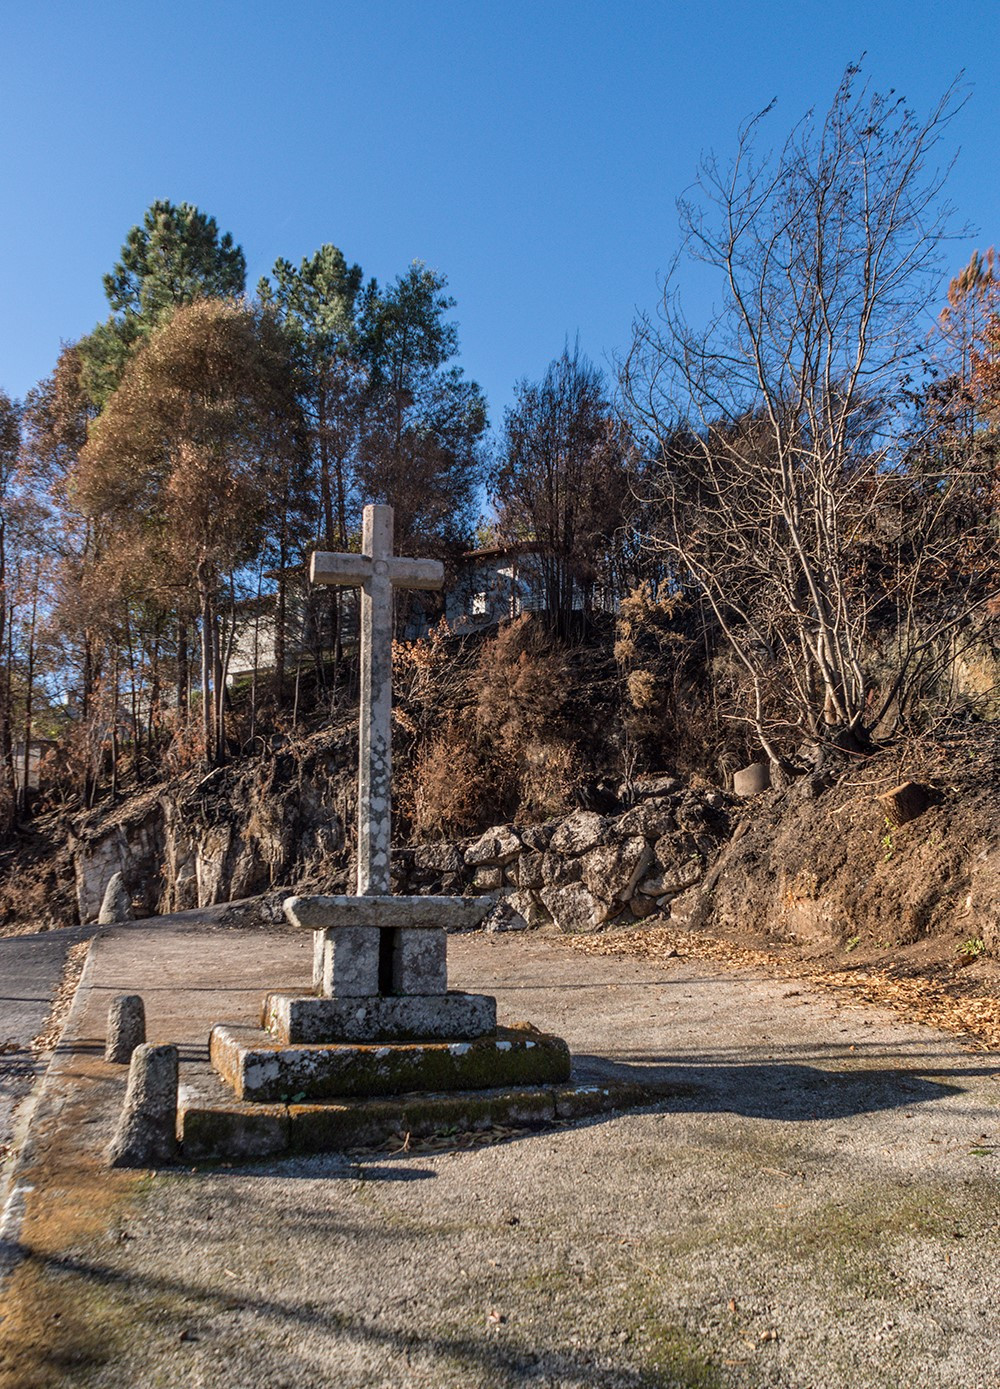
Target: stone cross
point(376, 572)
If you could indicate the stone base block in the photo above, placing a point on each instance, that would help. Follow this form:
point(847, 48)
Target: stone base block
point(346, 961)
point(211, 1125)
point(419, 962)
point(324, 1128)
point(214, 1127)
point(259, 1068)
point(359, 961)
point(449, 1016)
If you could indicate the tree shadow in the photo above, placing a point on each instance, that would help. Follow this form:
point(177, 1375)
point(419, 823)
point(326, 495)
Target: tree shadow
point(786, 1090)
point(479, 1355)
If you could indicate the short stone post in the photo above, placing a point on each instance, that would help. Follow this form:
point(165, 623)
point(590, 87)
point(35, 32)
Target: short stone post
point(126, 1028)
point(147, 1130)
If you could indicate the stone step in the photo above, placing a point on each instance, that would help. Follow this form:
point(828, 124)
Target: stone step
point(212, 1126)
point(259, 1067)
point(451, 1016)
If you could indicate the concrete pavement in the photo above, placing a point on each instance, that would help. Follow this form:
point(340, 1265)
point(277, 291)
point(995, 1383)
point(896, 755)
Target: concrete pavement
point(31, 967)
point(818, 1205)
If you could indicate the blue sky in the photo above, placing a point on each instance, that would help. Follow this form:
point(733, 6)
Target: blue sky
point(532, 152)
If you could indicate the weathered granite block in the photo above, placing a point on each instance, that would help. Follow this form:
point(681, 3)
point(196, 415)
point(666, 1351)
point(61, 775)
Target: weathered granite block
point(413, 1017)
point(348, 961)
point(330, 1127)
point(323, 913)
point(419, 962)
point(261, 1069)
point(126, 1028)
point(211, 1129)
point(146, 1135)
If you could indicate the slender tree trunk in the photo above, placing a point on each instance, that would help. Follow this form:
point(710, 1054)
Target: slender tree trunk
point(183, 671)
point(280, 609)
point(29, 693)
point(153, 717)
point(114, 724)
point(133, 697)
point(218, 690)
point(8, 712)
point(205, 603)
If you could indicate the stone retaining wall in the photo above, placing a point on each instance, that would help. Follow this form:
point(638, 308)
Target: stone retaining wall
point(587, 869)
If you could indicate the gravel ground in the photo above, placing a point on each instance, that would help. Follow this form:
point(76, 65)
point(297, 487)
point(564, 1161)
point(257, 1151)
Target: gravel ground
point(816, 1207)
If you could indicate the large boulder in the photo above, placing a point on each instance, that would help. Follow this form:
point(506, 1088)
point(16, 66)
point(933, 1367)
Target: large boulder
point(641, 905)
point(496, 846)
point(505, 916)
point(689, 911)
point(528, 906)
point(611, 872)
point(692, 813)
point(654, 784)
point(673, 849)
point(557, 870)
point(437, 858)
point(537, 837)
point(574, 908)
point(672, 881)
point(651, 818)
point(529, 870)
point(582, 830)
point(117, 904)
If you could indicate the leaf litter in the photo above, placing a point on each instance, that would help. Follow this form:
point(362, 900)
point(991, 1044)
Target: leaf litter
point(975, 1019)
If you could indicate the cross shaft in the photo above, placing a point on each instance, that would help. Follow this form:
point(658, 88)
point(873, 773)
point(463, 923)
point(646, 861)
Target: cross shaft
point(376, 571)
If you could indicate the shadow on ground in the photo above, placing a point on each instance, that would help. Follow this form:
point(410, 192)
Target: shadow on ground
point(196, 1307)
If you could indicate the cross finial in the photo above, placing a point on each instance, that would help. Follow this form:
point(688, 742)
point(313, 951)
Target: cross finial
point(376, 571)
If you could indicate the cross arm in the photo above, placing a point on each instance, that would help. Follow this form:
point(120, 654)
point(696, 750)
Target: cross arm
point(330, 568)
point(416, 573)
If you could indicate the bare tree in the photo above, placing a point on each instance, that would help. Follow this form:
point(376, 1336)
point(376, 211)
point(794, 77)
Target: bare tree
point(785, 496)
point(562, 480)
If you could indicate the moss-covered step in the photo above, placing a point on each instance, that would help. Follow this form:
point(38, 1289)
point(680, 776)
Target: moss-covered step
point(452, 1016)
point(212, 1126)
point(259, 1067)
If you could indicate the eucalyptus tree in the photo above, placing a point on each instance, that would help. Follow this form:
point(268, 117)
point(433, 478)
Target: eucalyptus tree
point(188, 459)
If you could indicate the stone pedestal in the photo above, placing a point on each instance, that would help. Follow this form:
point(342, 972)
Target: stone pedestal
point(381, 1023)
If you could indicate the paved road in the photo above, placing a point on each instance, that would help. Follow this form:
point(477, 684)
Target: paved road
point(30, 969)
point(817, 1207)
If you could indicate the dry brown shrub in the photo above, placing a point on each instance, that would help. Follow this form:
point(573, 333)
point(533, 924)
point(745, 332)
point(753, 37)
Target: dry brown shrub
point(642, 689)
point(426, 677)
point(550, 774)
point(521, 684)
point(443, 792)
point(668, 701)
point(520, 690)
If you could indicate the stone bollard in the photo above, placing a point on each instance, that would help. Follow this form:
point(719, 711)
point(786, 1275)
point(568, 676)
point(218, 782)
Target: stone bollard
point(126, 1028)
point(147, 1130)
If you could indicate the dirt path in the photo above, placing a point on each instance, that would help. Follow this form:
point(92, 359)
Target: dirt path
point(817, 1206)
